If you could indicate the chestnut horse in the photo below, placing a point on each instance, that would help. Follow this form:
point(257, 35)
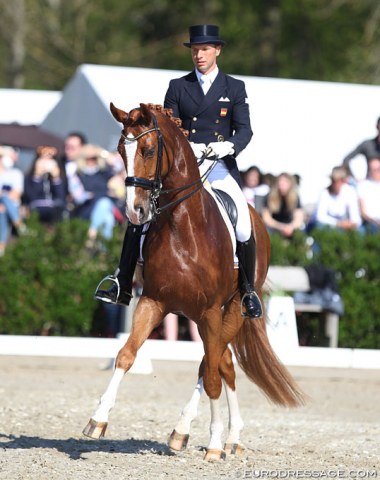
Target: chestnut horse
point(189, 270)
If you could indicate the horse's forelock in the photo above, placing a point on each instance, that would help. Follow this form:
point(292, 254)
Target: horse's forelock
point(136, 117)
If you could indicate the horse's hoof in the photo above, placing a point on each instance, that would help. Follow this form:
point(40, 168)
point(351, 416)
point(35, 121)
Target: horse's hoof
point(95, 429)
point(233, 449)
point(178, 441)
point(213, 454)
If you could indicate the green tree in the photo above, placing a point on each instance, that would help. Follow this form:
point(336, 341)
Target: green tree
point(43, 41)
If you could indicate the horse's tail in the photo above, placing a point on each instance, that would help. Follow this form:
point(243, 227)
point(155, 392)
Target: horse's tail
point(259, 362)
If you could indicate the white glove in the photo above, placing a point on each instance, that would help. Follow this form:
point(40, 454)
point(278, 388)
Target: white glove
point(220, 149)
point(198, 149)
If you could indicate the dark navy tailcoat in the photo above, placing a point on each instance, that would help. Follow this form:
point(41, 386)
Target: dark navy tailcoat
point(221, 115)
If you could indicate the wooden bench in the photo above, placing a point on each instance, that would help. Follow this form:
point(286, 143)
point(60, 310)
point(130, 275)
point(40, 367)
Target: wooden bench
point(295, 279)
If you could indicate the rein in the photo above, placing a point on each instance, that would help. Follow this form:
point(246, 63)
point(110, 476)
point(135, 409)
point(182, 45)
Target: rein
point(156, 185)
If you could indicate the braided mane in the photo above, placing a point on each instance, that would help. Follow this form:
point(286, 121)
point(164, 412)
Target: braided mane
point(169, 113)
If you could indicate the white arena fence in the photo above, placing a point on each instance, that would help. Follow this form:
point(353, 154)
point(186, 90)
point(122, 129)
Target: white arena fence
point(176, 350)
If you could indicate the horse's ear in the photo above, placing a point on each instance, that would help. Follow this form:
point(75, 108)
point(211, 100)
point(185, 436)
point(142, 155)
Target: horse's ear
point(118, 114)
point(146, 114)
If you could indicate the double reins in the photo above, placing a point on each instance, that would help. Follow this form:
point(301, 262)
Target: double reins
point(155, 186)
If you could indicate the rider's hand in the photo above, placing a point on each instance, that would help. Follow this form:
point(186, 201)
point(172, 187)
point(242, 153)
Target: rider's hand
point(198, 149)
point(220, 149)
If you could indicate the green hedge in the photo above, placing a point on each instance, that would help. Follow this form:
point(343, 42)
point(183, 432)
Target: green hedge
point(356, 259)
point(48, 279)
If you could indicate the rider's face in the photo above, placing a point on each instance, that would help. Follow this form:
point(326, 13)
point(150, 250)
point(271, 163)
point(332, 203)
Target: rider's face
point(204, 57)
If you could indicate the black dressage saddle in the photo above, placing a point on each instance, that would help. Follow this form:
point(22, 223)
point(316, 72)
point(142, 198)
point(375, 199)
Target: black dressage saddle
point(228, 204)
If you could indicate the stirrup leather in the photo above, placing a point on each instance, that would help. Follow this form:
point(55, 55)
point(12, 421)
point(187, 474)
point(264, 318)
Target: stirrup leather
point(113, 279)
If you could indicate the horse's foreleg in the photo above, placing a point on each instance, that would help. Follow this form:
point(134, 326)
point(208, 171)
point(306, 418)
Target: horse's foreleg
point(215, 447)
point(232, 445)
point(97, 425)
point(147, 316)
point(211, 332)
point(180, 435)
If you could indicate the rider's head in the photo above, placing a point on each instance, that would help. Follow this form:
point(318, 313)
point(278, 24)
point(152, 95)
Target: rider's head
point(205, 46)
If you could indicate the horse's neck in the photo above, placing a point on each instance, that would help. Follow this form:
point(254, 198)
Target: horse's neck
point(186, 184)
point(183, 171)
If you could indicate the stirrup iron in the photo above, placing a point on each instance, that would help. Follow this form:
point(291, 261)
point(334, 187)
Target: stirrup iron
point(113, 279)
point(243, 308)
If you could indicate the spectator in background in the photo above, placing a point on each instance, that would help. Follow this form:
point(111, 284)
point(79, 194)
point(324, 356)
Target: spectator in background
point(44, 186)
point(116, 185)
point(74, 142)
point(282, 211)
point(369, 197)
point(338, 205)
point(368, 148)
point(89, 188)
point(11, 188)
point(254, 189)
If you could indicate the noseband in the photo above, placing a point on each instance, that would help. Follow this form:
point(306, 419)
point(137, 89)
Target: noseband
point(155, 186)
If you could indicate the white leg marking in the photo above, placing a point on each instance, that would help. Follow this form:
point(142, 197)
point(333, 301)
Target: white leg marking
point(108, 399)
point(216, 426)
point(190, 411)
point(235, 424)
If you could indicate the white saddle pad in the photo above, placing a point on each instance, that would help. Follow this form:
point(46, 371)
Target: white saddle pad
point(227, 221)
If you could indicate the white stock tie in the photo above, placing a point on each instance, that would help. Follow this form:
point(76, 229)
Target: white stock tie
point(206, 83)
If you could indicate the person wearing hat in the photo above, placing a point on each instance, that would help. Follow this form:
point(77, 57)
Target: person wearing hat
point(338, 204)
point(214, 109)
point(44, 186)
point(89, 188)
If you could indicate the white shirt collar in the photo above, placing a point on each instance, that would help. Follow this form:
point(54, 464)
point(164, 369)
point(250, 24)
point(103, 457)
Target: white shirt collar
point(211, 76)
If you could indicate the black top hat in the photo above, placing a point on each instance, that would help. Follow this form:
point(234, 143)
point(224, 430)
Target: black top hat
point(204, 34)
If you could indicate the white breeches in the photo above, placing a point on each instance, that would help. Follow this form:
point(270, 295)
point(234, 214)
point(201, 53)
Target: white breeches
point(221, 179)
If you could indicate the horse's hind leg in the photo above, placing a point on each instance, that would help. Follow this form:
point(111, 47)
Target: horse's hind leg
point(235, 423)
point(147, 316)
point(181, 433)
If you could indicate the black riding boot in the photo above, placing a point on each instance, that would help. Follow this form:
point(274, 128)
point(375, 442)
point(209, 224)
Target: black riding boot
point(121, 290)
point(246, 252)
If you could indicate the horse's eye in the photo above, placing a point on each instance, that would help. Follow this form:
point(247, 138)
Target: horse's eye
point(149, 153)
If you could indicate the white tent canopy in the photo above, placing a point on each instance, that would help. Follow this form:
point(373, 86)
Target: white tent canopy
point(26, 107)
point(302, 127)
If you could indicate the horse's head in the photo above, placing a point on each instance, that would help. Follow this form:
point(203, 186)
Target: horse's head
point(141, 147)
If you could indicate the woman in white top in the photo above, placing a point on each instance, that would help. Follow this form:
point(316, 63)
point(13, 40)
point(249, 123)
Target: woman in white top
point(338, 205)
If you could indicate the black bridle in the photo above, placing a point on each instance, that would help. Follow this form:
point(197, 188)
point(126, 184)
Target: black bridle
point(155, 186)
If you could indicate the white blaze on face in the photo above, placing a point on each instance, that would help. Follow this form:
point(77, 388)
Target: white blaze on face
point(130, 152)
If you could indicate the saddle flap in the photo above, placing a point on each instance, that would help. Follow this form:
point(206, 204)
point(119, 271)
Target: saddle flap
point(228, 204)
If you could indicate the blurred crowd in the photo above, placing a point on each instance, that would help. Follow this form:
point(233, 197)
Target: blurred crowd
point(88, 182)
point(347, 203)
